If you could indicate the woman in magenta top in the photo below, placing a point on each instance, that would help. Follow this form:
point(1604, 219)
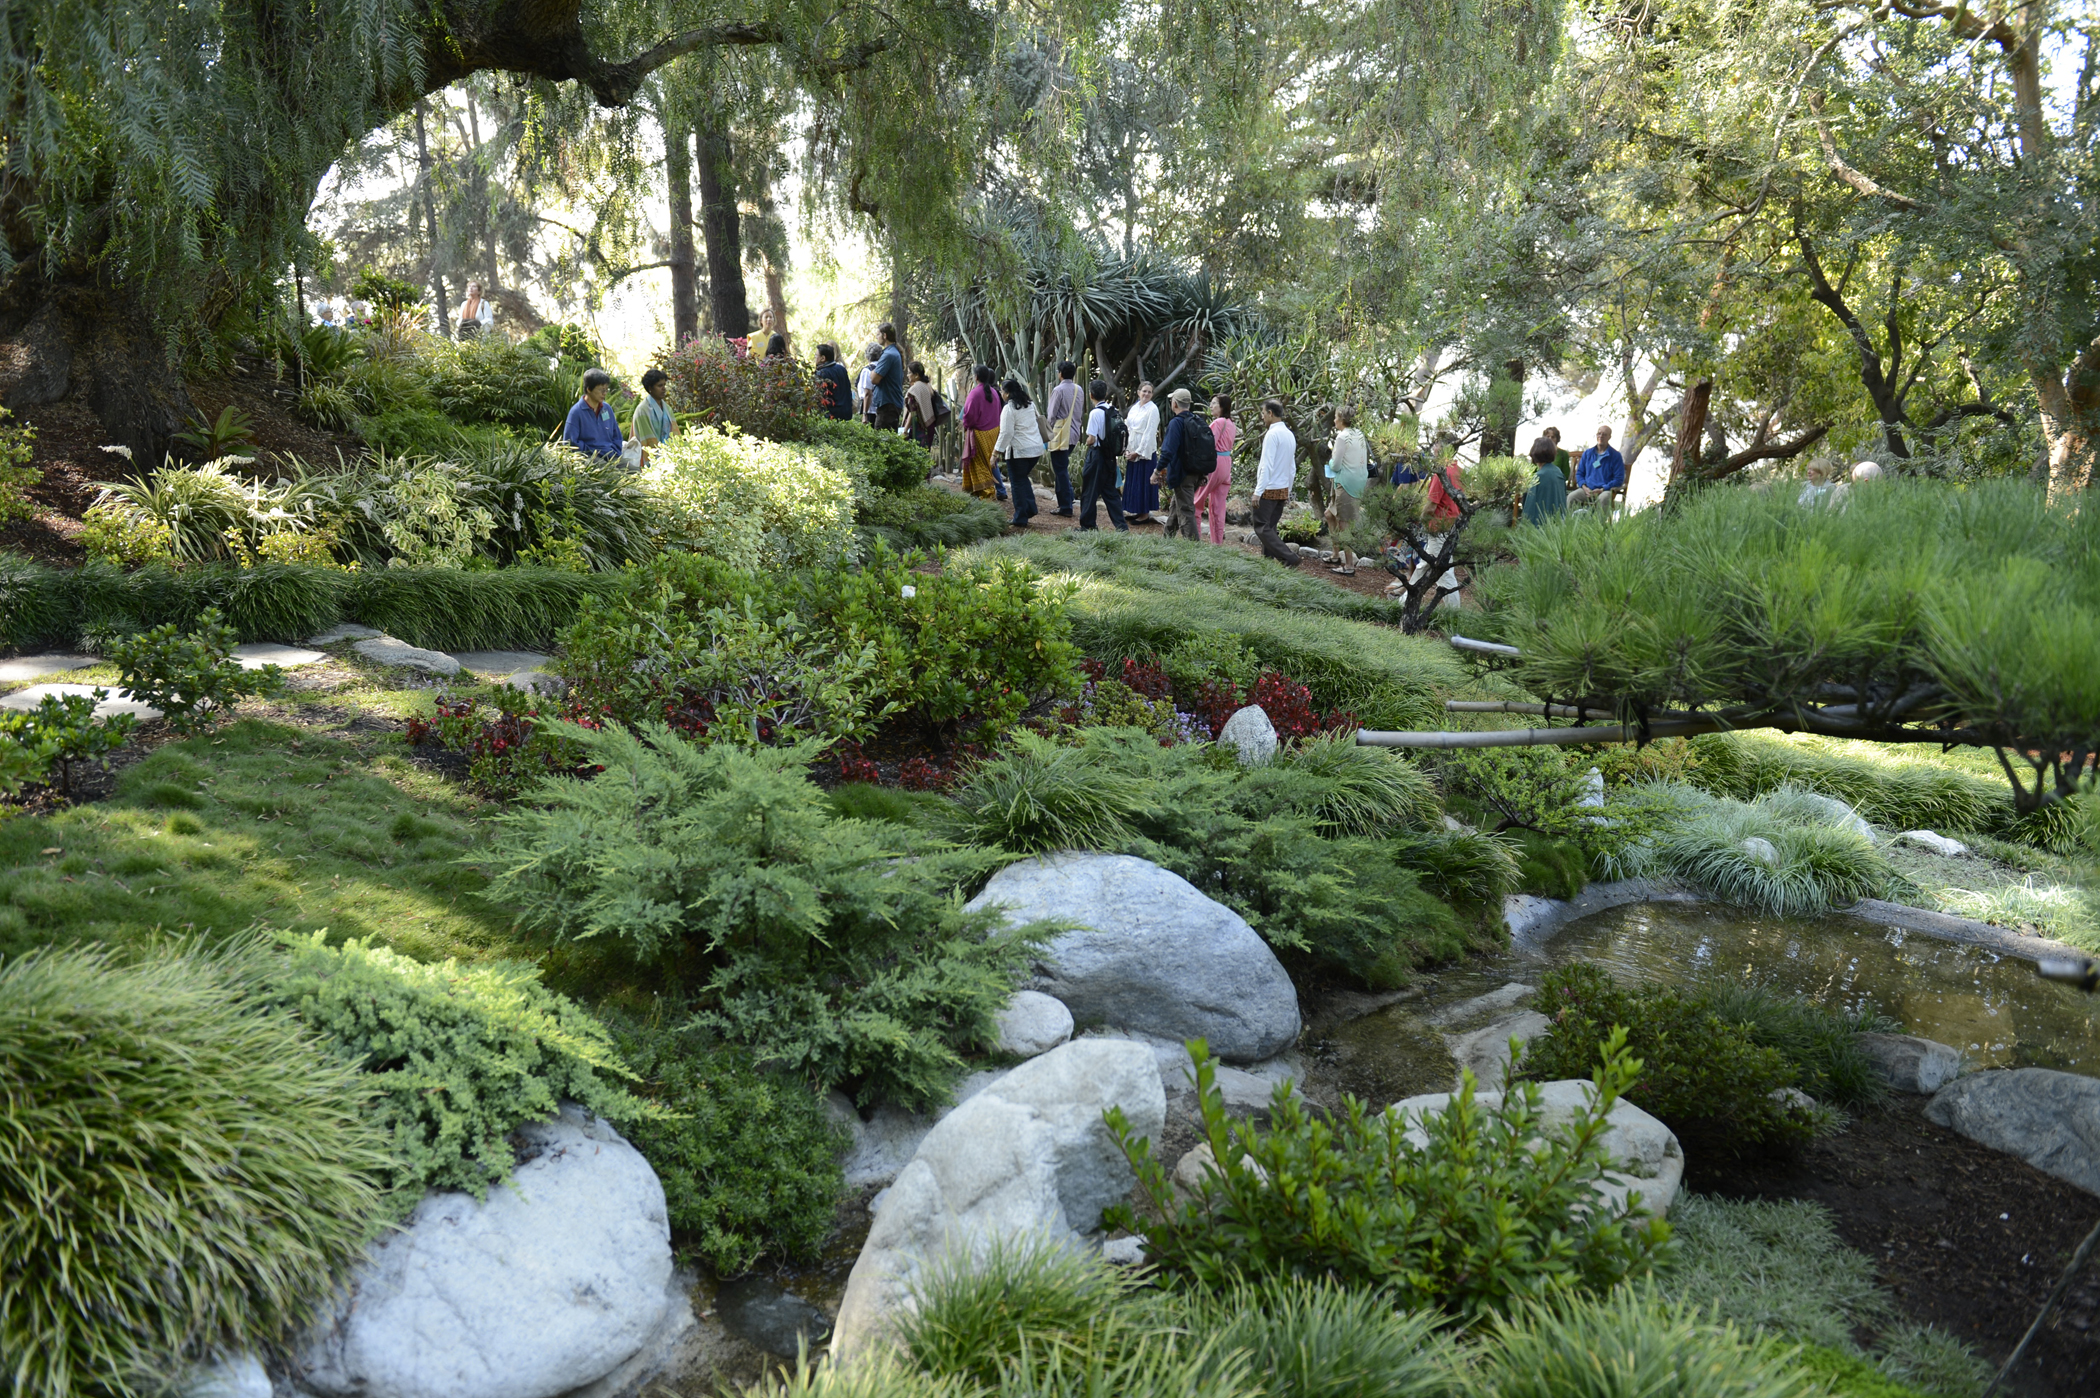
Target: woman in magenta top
point(1210, 498)
point(980, 420)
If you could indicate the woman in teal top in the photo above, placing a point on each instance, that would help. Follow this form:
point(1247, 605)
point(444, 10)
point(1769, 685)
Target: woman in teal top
point(1548, 495)
point(652, 424)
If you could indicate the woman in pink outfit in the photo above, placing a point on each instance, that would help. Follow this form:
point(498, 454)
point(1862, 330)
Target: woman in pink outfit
point(1210, 499)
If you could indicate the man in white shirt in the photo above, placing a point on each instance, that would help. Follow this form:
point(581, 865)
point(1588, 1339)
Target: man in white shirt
point(1106, 435)
point(1273, 482)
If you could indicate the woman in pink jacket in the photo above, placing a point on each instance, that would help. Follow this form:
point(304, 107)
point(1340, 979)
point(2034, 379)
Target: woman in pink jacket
point(1210, 499)
point(980, 420)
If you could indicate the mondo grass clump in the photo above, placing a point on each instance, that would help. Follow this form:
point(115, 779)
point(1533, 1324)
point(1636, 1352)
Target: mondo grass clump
point(180, 1172)
point(442, 608)
point(1787, 853)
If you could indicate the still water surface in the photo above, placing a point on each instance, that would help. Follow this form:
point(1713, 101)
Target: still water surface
point(1993, 1007)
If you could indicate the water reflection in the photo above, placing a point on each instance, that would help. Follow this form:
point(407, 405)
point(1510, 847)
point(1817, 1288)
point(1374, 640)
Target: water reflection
point(1994, 1007)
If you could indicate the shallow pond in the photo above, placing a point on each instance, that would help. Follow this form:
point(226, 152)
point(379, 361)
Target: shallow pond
point(1992, 1006)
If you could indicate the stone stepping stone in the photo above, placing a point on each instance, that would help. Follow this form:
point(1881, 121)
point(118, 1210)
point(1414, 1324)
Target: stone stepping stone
point(32, 667)
point(257, 654)
point(386, 650)
point(499, 662)
point(118, 702)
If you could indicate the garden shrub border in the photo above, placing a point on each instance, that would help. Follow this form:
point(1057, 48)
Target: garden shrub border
point(441, 608)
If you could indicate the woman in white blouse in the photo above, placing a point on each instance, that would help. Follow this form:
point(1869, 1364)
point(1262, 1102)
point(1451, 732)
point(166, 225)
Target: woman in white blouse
point(476, 314)
point(1140, 495)
point(1021, 444)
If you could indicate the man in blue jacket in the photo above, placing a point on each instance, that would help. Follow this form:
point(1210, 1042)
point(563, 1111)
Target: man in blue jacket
point(888, 388)
point(593, 427)
point(1600, 472)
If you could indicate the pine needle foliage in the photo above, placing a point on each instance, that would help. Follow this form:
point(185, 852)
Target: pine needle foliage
point(837, 950)
point(179, 1172)
point(459, 1056)
point(1966, 613)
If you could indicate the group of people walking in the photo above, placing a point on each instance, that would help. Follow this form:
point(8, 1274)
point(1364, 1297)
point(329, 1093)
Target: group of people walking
point(1130, 463)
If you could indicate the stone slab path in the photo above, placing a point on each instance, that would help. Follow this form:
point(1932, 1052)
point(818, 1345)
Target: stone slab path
point(117, 702)
point(260, 653)
point(499, 662)
point(35, 667)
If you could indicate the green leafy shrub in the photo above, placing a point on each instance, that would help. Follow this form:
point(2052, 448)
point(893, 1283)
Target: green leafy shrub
point(1470, 1211)
point(976, 1318)
point(1314, 1338)
point(749, 1162)
point(1707, 1079)
point(832, 948)
point(1626, 1344)
point(124, 538)
point(178, 1172)
point(927, 517)
point(972, 644)
point(1038, 796)
point(17, 449)
point(893, 465)
point(1821, 1043)
point(511, 738)
point(721, 386)
point(60, 731)
point(1463, 867)
point(457, 1056)
point(488, 379)
point(191, 678)
point(754, 503)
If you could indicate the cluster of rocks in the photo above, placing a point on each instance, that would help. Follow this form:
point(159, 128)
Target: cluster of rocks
point(562, 1282)
point(520, 669)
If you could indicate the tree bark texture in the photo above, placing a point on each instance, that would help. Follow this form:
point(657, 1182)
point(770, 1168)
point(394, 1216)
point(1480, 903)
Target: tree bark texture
point(721, 227)
point(430, 210)
point(678, 180)
point(1691, 430)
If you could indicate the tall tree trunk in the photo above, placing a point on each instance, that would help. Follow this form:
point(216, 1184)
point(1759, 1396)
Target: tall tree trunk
point(721, 227)
point(482, 203)
point(678, 179)
point(900, 301)
point(1690, 431)
point(776, 300)
point(437, 282)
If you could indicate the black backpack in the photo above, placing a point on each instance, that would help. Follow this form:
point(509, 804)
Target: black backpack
point(1115, 433)
point(1199, 450)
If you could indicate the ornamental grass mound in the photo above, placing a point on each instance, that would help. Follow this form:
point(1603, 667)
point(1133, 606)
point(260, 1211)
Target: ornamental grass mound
point(179, 1173)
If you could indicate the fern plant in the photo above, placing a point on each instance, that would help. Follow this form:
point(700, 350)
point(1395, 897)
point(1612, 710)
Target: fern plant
point(836, 949)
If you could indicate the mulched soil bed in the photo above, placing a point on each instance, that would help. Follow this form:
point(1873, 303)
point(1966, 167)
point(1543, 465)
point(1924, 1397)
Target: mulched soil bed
point(1967, 1239)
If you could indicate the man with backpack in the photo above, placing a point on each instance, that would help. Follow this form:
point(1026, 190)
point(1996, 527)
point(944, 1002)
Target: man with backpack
point(1107, 438)
point(1187, 456)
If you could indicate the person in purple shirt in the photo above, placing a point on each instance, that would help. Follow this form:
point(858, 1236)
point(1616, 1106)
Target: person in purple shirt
point(1600, 472)
point(980, 420)
point(593, 427)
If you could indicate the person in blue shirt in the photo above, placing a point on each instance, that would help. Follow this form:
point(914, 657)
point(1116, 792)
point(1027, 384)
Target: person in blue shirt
point(888, 388)
point(1600, 472)
point(593, 427)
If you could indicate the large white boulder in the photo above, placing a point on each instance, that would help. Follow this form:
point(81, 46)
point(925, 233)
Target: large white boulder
point(559, 1281)
point(1027, 1161)
point(1911, 1064)
point(386, 650)
point(1484, 1052)
point(1151, 954)
point(2049, 1119)
point(1645, 1151)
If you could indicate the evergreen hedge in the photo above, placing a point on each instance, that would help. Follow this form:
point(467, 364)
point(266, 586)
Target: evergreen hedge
point(443, 608)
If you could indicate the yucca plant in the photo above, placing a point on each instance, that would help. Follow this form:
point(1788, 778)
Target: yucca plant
point(179, 1172)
